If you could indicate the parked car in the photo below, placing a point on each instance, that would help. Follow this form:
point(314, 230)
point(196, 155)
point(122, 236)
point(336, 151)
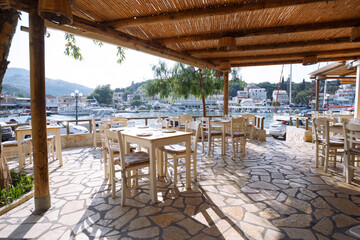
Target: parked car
point(6, 132)
point(73, 129)
point(278, 127)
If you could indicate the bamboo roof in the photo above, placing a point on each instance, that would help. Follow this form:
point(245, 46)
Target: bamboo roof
point(267, 32)
point(337, 70)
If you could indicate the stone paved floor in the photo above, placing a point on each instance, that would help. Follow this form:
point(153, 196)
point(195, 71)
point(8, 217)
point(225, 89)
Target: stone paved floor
point(273, 193)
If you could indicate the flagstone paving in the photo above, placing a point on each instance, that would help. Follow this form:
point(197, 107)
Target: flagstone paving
point(274, 192)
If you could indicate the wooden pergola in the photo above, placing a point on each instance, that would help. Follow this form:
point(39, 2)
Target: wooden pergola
point(348, 72)
point(217, 34)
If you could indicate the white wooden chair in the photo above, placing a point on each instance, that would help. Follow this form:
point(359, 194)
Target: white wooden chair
point(104, 149)
point(209, 134)
point(165, 124)
point(128, 164)
point(118, 122)
point(250, 124)
point(352, 149)
point(237, 134)
point(326, 147)
point(182, 120)
point(96, 133)
point(177, 152)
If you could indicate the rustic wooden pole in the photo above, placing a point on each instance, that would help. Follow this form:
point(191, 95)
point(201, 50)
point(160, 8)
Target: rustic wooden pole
point(317, 95)
point(226, 93)
point(38, 112)
point(307, 124)
point(357, 93)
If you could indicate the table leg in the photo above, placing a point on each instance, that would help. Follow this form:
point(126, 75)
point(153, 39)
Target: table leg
point(152, 171)
point(223, 140)
point(58, 147)
point(187, 162)
point(21, 154)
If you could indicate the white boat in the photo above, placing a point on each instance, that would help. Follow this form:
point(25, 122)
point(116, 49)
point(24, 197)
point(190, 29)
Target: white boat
point(103, 113)
point(70, 110)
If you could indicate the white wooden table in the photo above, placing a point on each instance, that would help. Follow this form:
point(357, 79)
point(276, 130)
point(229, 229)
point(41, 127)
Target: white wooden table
point(22, 131)
point(153, 143)
point(223, 124)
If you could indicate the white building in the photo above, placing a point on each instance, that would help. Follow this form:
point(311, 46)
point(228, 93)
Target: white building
point(257, 94)
point(118, 99)
point(242, 94)
point(283, 97)
point(247, 102)
point(345, 94)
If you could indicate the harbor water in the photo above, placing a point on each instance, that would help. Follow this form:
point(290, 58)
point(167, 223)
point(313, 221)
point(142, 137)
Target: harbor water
point(22, 119)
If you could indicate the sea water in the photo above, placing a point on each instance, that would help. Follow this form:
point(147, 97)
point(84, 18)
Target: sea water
point(141, 122)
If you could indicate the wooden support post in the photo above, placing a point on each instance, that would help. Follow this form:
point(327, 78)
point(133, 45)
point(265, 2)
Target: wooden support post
point(262, 123)
point(317, 95)
point(357, 93)
point(307, 124)
point(290, 123)
point(67, 128)
point(226, 93)
point(38, 112)
point(146, 121)
point(297, 122)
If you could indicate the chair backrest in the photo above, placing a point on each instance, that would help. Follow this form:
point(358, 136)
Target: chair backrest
point(102, 128)
point(118, 122)
point(164, 123)
point(194, 127)
point(351, 135)
point(250, 118)
point(238, 125)
point(205, 124)
point(114, 144)
point(183, 119)
point(321, 127)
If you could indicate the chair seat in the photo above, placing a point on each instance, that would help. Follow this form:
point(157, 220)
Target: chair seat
point(333, 142)
point(136, 158)
point(214, 132)
point(174, 149)
point(355, 150)
point(236, 134)
point(14, 143)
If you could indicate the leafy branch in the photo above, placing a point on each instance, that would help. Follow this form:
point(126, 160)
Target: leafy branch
point(70, 47)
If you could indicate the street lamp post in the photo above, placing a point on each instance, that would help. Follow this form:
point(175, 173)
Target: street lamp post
point(76, 94)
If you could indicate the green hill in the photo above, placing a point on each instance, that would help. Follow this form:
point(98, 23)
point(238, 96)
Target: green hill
point(17, 81)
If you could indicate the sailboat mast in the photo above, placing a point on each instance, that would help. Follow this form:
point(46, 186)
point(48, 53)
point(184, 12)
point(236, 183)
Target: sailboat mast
point(290, 84)
point(325, 86)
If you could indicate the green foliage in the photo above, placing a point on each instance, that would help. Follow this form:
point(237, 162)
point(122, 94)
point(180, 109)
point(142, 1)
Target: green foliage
point(236, 83)
point(119, 89)
point(126, 93)
point(120, 54)
point(70, 47)
point(21, 184)
point(103, 94)
point(273, 103)
point(136, 103)
point(303, 97)
point(98, 43)
point(137, 97)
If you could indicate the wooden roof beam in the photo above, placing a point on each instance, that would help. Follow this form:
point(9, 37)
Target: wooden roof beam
point(273, 46)
point(352, 51)
point(86, 28)
point(292, 61)
point(263, 31)
point(205, 12)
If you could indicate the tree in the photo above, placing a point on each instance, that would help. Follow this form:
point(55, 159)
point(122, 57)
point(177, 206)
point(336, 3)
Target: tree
point(182, 81)
point(137, 97)
point(236, 83)
point(126, 93)
point(283, 86)
point(119, 90)
point(103, 94)
point(8, 23)
point(136, 103)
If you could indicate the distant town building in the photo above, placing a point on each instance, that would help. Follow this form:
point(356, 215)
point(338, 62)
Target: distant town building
point(118, 99)
point(51, 102)
point(345, 95)
point(8, 102)
point(242, 94)
point(257, 94)
point(247, 102)
point(283, 97)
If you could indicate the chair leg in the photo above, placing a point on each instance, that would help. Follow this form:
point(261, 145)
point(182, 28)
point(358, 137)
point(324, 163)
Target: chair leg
point(166, 164)
point(335, 155)
point(326, 159)
point(175, 170)
point(317, 154)
point(209, 145)
point(113, 181)
point(194, 167)
point(233, 145)
point(123, 188)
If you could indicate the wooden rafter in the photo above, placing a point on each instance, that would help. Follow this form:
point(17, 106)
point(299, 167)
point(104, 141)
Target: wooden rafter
point(263, 31)
point(291, 61)
point(83, 27)
point(352, 51)
point(273, 45)
point(205, 12)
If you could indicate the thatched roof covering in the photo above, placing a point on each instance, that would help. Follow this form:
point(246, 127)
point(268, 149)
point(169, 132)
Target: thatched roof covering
point(266, 31)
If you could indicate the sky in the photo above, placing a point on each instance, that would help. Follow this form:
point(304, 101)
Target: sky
point(100, 65)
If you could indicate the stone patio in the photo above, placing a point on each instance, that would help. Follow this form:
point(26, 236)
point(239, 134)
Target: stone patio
point(273, 193)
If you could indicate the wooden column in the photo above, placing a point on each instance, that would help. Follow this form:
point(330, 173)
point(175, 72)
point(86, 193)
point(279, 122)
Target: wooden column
point(38, 112)
point(226, 93)
point(317, 95)
point(357, 93)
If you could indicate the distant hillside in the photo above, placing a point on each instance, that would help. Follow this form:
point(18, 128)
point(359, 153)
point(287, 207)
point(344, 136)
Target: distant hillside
point(18, 80)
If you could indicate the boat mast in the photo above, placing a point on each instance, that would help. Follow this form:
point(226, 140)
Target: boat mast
point(290, 84)
point(325, 86)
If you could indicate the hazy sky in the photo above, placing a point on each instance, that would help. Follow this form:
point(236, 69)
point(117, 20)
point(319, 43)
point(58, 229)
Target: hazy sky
point(99, 65)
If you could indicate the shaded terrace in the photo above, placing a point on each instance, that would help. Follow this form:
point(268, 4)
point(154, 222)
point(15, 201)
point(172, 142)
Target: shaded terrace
point(273, 193)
